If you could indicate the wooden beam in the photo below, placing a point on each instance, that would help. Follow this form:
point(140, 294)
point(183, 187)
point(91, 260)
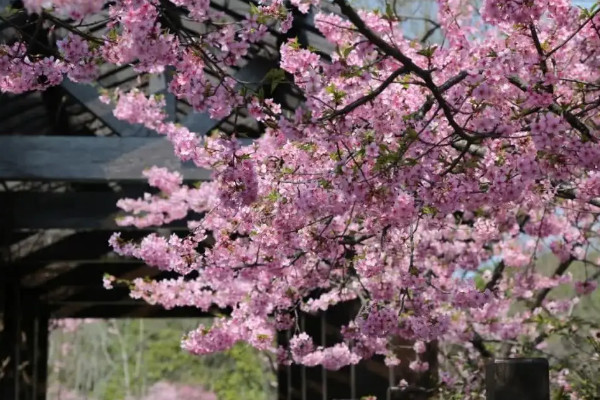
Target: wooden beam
point(92, 274)
point(88, 159)
point(98, 294)
point(70, 210)
point(140, 310)
point(10, 343)
point(80, 247)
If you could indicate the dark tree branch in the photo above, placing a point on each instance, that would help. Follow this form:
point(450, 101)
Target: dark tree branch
point(569, 194)
point(556, 109)
point(408, 63)
point(496, 276)
point(365, 99)
point(560, 270)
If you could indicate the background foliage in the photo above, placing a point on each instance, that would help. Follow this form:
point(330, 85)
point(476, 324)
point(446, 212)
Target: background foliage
point(124, 359)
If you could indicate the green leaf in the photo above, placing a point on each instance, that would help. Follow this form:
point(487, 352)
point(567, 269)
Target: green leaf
point(389, 11)
point(273, 196)
point(479, 283)
point(310, 147)
point(325, 184)
point(294, 43)
point(275, 76)
point(429, 210)
point(345, 51)
point(427, 52)
point(338, 95)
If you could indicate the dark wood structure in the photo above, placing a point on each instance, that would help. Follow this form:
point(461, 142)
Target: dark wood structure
point(518, 378)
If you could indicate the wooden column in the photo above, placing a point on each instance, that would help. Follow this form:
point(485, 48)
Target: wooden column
point(34, 353)
point(518, 378)
point(23, 343)
point(10, 345)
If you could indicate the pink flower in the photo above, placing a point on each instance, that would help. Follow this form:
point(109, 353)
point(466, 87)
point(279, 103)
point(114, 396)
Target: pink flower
point(585, 287)
point(108, 281)
point(419, 347)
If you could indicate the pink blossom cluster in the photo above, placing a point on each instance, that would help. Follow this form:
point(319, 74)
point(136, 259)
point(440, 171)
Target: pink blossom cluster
point(20, 73)
point(141, 38)
point(74, 9)
point(76, 51)
point(514, 11)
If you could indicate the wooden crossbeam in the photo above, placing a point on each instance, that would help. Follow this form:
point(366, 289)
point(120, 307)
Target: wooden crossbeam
point(97, 294)
point(137, 309)
point(91, 274)
point(88, 159)
point(80, 247)
point(70, 210)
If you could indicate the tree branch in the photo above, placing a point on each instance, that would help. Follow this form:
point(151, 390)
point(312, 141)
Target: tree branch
point(408, 63)
point(559, 271)
point(556, 109)
point(569, 194)
point(496, 276)
point(363, 100)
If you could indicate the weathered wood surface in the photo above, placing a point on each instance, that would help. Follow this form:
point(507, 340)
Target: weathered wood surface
point(88, 159)
point(518, 378)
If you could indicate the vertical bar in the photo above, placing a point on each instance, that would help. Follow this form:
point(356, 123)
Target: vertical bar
point(39, 352)
point(27, 350)
point(518, 378)
point(8, 343)
point(42, 355)
point(18, 341)
point(353, 381)
point(303, 368)
point(36, 354)
point(283, 371)
point(289, 372)
point(324, 344)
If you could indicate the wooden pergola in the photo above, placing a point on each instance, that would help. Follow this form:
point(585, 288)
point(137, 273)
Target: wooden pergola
point(64, 162)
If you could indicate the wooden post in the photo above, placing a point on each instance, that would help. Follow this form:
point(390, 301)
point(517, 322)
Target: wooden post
point(40, 355)
point(10, 344)
point(34, 356)
point(518, 378)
